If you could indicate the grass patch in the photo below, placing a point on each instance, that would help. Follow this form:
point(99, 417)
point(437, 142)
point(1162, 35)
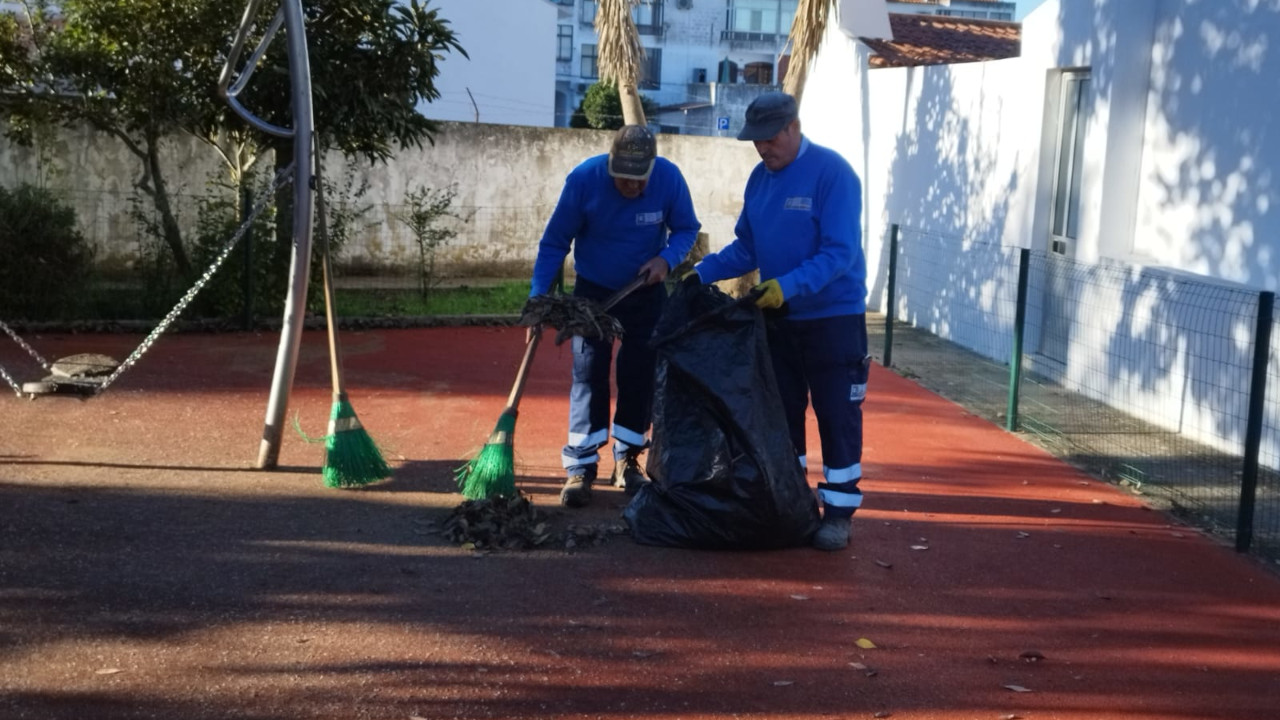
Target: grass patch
point(503, 299)
point(120, 302)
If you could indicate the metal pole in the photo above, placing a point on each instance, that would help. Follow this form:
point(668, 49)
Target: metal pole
point(246, 207)
point(892, 301)
point(1253, 430)
point(300, 267)
point(1019, 328)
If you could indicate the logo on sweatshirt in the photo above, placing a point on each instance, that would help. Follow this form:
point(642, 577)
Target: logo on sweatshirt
point(649, 218)
point(798, 203)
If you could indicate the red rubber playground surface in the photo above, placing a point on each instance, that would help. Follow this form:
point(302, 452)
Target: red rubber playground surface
point(148, 571)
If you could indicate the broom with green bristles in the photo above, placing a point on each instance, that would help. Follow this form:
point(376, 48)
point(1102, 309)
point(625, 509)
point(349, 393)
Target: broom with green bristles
point(351, 458)
point(491, 473)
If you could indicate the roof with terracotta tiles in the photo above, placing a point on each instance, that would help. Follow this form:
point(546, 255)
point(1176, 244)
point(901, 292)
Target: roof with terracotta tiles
point(941, 40)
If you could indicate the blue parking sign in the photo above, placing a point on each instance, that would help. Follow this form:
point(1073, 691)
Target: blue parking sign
point(722, 122)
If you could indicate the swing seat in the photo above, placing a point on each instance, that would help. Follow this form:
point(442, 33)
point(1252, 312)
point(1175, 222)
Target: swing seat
point(54, 385)
point(81, 375)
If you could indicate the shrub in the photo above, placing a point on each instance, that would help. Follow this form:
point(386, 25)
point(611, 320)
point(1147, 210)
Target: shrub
point(44, 260)
point(601, 108)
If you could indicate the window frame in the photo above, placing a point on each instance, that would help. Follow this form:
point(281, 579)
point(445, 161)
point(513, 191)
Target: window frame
point(564, 43)
point(592, 56)
point(1075, 105)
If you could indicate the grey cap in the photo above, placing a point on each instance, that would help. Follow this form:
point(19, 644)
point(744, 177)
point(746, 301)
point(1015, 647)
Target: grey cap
point(633, 153)
point(767, 115)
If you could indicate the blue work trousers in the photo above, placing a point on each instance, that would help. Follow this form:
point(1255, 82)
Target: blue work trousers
point(826, 360)
point(589, 396)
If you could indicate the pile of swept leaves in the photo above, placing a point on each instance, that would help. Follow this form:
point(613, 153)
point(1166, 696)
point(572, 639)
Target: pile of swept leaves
point(570, 316)
point(515, 524)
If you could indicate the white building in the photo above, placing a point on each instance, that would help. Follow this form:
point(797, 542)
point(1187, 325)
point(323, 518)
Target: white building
point(704, 58)
point(971, 9)
point(1131, 146)
point(509, 76)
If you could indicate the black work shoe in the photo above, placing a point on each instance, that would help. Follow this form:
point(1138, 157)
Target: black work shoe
point(576, 492)
point(628, 475)
point(833, 534)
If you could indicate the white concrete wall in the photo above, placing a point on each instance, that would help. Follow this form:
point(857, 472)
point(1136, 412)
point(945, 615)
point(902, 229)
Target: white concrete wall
point(510, 70)
point(1209, 199)
point(508, 180)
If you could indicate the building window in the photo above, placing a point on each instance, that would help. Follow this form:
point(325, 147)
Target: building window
point(651, 77)
point(1073, 116)
point(770, 17)
point(647, 15)
point(589, 69)
point(758, 73)
point(564, 43)
point(587, 13)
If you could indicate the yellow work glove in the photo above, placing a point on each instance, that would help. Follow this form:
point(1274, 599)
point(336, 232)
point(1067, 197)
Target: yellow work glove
point(691, 275)
point(770, 295)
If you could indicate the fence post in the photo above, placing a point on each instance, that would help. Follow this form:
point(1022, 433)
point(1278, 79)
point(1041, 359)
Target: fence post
point(1253, 431)
point(891, 295)
point(246, 208)
point(1019, 328)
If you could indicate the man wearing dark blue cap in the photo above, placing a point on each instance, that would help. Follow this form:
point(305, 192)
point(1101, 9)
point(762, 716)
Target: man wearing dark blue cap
point(800, 227)
point(625, 214)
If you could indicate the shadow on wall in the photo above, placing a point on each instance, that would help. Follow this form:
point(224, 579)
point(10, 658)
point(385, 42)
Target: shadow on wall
point(941, 165)
point(1206, 193)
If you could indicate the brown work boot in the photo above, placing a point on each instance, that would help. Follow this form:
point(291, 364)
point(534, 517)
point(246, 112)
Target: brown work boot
point(576, 492)
point(832, 534)
point(628, 475)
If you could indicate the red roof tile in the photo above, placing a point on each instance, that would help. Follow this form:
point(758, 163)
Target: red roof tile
point(941, 40)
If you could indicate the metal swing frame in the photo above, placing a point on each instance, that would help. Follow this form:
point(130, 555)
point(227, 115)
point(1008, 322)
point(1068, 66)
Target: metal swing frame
point(290, 16)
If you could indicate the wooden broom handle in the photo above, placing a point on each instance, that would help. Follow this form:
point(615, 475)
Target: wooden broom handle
point(335, 364)
point(523, 373)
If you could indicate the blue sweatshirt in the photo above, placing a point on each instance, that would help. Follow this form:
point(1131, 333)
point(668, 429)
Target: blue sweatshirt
point(612, 236)
point(800, 225)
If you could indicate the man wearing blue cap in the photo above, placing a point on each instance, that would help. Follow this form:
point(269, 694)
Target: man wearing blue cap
point(800, 227)
point(625, 214)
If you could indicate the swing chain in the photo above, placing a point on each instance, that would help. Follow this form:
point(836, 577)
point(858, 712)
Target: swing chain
point(23, 344)
point(284, 177)
point(17, 389)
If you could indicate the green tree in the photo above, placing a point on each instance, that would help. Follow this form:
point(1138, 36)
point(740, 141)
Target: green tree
point(601, 108)
point(373, 64)
point(145, 70)
point(132, 70)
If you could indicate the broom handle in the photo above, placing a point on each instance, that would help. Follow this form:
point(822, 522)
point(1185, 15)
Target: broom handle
point(523, 374)
point(335, 364)
point(626, 290)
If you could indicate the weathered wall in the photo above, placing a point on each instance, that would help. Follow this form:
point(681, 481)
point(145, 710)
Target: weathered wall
point(508, 179)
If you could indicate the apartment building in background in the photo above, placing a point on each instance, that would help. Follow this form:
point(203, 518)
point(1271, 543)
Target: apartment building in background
point(705, 60)
point(970, 9)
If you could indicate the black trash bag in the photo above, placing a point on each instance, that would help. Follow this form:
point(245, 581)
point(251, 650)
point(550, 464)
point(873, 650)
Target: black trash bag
point(725, 475)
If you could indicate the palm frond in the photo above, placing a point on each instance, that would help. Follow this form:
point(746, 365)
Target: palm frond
point(807, 29)
point(620, 54)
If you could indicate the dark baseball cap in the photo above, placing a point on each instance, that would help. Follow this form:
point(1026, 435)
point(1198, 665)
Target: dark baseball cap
point(633, 153)
point(767, 115)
